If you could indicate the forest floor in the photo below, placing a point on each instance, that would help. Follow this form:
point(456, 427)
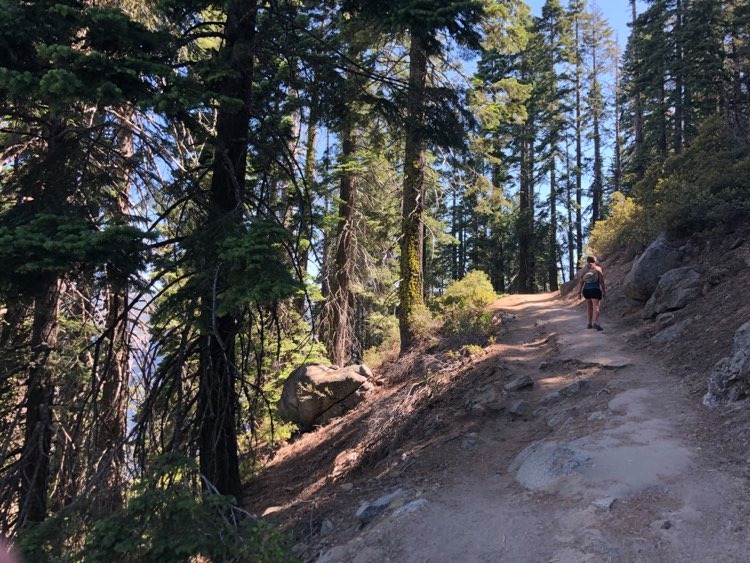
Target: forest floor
point(626, 468)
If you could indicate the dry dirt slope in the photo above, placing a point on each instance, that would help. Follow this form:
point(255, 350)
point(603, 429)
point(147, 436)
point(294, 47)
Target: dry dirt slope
point(623, 470)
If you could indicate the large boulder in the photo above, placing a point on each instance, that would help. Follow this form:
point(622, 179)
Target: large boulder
point(730, 378)
point(314, 394)
point(655, 261)
point(675, 290)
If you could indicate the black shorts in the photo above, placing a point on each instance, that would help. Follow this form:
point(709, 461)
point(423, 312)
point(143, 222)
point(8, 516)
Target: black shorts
point(592, 293)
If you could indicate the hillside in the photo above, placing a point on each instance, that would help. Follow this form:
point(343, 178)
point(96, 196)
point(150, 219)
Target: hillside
point(624, 465)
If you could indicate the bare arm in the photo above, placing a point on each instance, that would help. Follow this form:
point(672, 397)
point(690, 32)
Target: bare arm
point(580, 285)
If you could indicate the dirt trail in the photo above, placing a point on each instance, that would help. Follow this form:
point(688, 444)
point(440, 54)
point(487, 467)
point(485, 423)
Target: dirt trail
point(638, 479)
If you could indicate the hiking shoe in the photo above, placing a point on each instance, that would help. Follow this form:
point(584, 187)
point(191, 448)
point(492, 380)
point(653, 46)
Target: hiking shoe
point(589, 325)
point(597, 327)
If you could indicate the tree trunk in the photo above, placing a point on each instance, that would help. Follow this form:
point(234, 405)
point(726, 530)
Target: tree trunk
point(217, 394)
point(678, 77)
point(111, 422)
point(598, 185)
point(638, 117)
point(455, 232)
point(579, 147)
point(35, 459)
point(569, 206)
point(306, 205)
point(597, 106)
point(617, 166)
point(49, 195)
point(341, 299)
point(412, 210)
point(525, 240)
point(312, 135)
point(552, 249)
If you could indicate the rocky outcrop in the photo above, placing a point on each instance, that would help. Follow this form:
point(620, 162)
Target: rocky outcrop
point(675, 290)
point(656, 260)
point(730, 378)
point(314, 394)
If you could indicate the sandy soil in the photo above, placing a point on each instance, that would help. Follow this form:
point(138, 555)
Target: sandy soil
point(654, 487)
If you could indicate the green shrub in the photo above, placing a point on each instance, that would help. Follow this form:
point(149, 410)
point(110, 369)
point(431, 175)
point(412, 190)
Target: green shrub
point(382, 333)
point(167, 519)
point(463, 306)
point(625, 225)
point(703, 187)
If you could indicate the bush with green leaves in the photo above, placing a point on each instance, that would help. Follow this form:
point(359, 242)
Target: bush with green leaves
point(167, 519)
point(625, 226)
point(463, 307)
point(703, 187)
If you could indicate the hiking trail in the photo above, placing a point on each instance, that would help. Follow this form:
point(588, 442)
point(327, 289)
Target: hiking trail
point(618, 468)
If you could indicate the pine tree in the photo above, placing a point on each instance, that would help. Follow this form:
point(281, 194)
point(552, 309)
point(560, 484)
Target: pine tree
point(423, 21)
point(60, 77)
point(599, 51)
point(554, 28)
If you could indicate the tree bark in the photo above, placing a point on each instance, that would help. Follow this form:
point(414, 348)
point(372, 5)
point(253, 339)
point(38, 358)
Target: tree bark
point(217, 394)
point(111, 421)
point(617, 166)
point(412, 210)
point(638, 117)
point(49, 195)
point(679, 82)
point(552, 247)
point(579, 145)
point(525, 220)
point(35, 459)
point(341, 302)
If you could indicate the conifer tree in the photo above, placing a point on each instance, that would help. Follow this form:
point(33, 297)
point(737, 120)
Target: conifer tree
point(423, 21)
point(554, 29)
point(599, 52)
point(60, 77)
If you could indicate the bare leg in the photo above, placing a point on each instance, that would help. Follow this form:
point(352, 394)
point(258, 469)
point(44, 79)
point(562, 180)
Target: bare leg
point(595, 306)
point(589, 310)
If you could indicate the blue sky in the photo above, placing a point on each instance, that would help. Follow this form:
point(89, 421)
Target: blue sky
point(616, 11)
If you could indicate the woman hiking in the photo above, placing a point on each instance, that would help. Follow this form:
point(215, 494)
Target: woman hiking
point(593, 290)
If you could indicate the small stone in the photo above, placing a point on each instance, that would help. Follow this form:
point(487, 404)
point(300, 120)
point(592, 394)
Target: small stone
point(337, 553)
point(543, 366)
point(326, 527)
point(367, 511)
point(346, 487)
point(485, 396)
point(413, 506)
point(299, 548)
point(604, 503)
point(468, 443)
point(551, 398)
point(573, 388)
point(596, 415)
point(663, 320)
point(666, 525)
point(562, 417)
point(519, 383)
point(520, 408)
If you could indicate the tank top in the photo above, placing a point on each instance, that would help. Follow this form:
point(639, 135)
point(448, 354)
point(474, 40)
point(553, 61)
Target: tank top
point(591, 277)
